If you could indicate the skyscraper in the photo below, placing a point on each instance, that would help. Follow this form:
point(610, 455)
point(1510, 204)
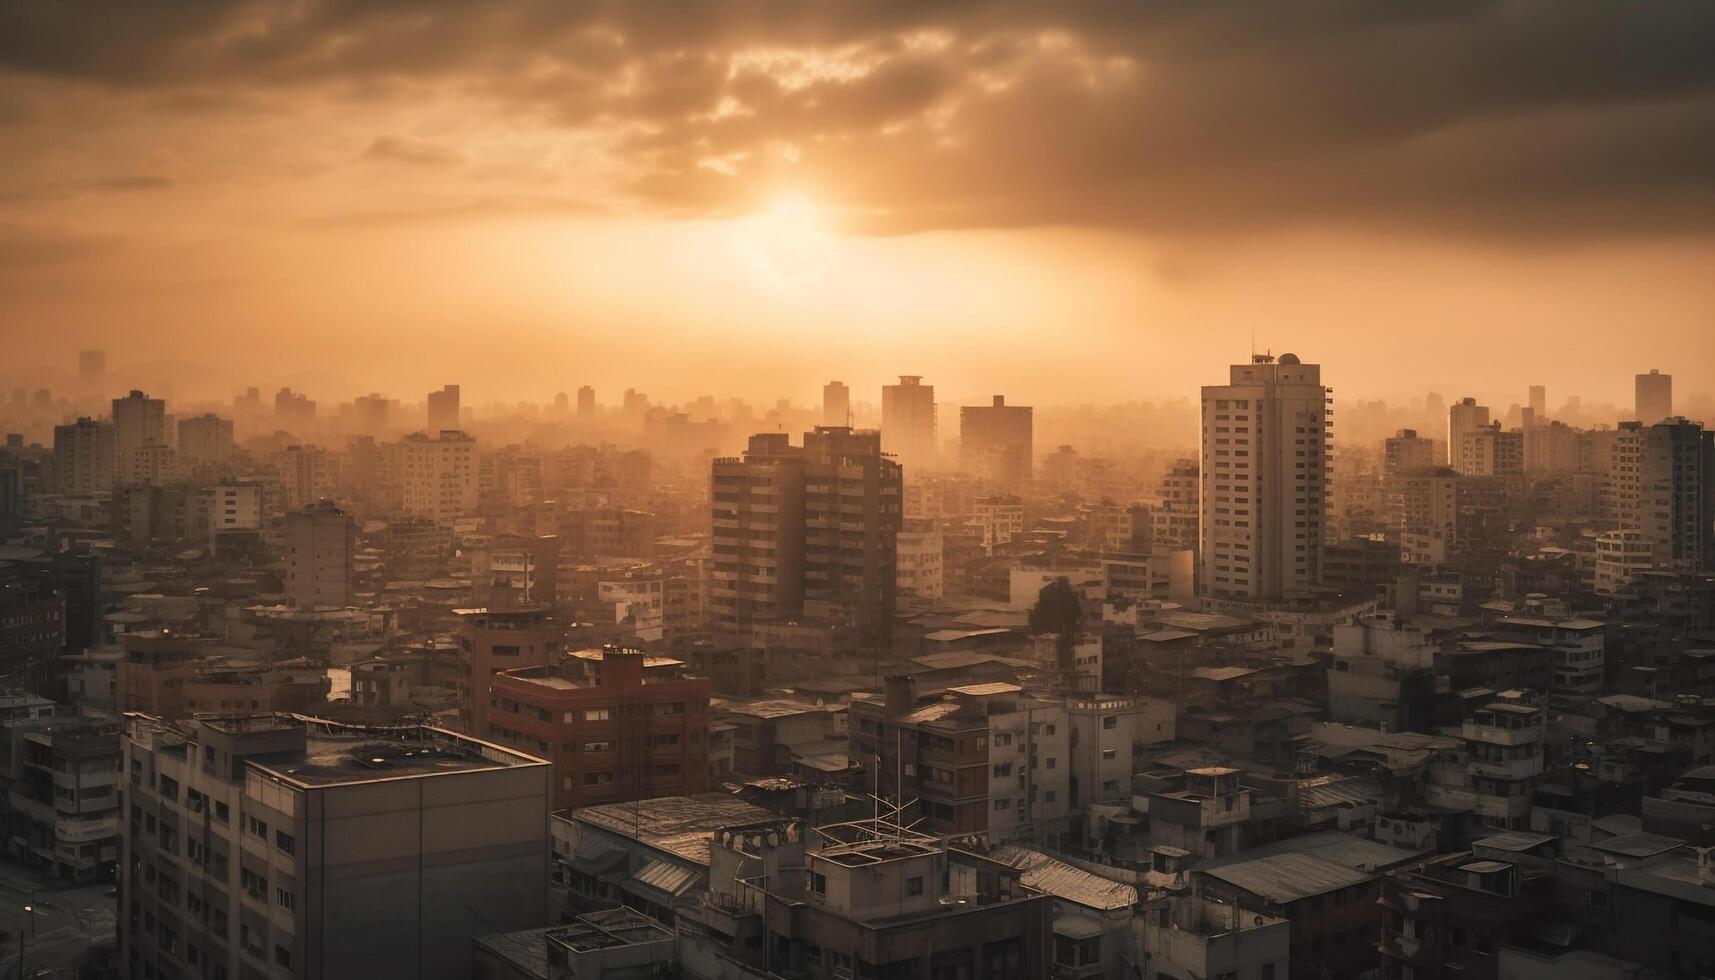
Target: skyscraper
point(586, 400)
point(908, 423)
point(836, 404)
point(1662, 478)
point(997, 442)
point(1539, 403)
point(1465, 416)
point(444, 409)
point(1654, 397)
point(1266, 441)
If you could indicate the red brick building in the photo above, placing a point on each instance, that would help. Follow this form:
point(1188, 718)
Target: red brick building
point(617, 725)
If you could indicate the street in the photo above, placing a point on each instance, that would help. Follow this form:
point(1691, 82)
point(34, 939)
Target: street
point(64, 922)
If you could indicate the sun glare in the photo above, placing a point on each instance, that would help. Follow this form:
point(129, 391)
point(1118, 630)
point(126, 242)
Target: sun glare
point(789, 243)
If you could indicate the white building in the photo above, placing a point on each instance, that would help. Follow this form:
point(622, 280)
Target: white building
point(1264, 494)
point(306, 475)
point(439, 475)
point(919, 555)
point(233, 507)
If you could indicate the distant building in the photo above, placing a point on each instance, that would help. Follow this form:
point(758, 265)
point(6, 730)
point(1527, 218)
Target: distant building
point(443, 409)
point(997, 442)
point(586, 401)
point(321, 541)
point(836, 404)
point(139, 424)
point(908, 424)
point(438, 475)
point(294, 845)
point(1464, 416)
point(920, 556)
point(205, 440)
point(1654, 401)
point(86, 456)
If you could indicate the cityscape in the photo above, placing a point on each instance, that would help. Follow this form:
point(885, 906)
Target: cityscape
point(583, 491)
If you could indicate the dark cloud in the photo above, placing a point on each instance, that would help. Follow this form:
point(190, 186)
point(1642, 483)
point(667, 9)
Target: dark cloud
point(1519, 116)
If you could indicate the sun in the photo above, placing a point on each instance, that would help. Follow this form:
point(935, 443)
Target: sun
point(790, 242)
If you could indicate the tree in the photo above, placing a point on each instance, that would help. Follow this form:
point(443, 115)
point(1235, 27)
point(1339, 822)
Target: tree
point(1058, 610)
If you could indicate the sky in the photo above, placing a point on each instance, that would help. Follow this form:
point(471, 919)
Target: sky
point(1064, 202)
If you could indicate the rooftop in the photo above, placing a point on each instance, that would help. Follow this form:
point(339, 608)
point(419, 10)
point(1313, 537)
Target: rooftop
point(1064, 881)
point(679, 825)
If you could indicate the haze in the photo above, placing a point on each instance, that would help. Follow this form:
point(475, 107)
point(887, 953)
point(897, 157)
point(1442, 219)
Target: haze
point(1065, 202)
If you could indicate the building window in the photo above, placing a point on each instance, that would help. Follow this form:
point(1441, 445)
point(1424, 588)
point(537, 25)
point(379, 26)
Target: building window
point(284, 842)
point(1000, 805)
point(818, 883)
point(914, 885)
point(256, 827)
point(596, 714)
point(1110, 722)
point(597, 778)
point(598, 746)
point(285, 898)
point(283, 956)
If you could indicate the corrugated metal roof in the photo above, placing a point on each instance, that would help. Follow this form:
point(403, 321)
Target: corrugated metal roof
point(669, 878)
point(1065, 881)
point(1517, 841)
point(1285, 878)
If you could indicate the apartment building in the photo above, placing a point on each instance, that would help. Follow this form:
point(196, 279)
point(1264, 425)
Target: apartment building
point(273, 846)
point(617, 725)
point(1266, 439)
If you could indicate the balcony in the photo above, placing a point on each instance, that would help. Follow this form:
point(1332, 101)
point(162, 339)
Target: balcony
point(1510, 769)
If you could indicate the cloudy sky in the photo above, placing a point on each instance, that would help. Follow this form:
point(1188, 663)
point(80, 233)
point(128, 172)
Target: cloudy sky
point(1061, 201)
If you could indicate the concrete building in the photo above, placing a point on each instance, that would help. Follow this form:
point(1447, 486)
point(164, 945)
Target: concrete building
point(267, 846)
point(1382, 674)
point(493, 640)
point(443, 410)
point(60, 779)
point(1654, 397)
point(515, 571)
point(908, 424)
point(1503, 762)
point(438, 476)
point(139, 423)
point(321, 541)
point(997, 442)
point(920, 556)
point(86, 457)
point(1173, 516)
point(586, 401)
point(1487, 450)
point(1266, 439)
point(999, 519)
point(1190, 938)
point(1407, 452)
point(873, 899)
point(233, 508)
point(205, 440)
point(836, 404)
point(812, 524)
point(1463, 416)
point(306, 475)
point(1661, 483)
point(617, 725)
